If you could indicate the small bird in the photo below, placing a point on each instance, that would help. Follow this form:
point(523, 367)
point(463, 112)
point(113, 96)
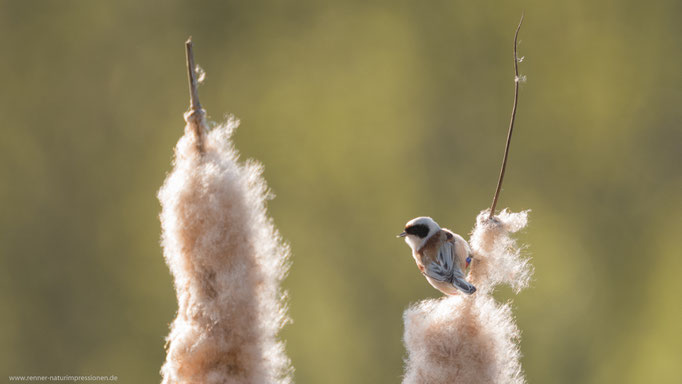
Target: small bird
point(441, 255)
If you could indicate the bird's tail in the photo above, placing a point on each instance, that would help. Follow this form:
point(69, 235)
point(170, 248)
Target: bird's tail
point(463, 285)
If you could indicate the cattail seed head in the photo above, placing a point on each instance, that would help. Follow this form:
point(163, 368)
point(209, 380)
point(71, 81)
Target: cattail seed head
point(227, 261)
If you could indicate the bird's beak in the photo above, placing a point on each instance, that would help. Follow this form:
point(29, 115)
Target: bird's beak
point(402, 234)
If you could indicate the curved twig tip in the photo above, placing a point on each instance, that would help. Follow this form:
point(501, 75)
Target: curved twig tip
point(511, 122)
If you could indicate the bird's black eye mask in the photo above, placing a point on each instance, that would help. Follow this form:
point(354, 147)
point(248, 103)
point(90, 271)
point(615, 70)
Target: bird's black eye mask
point(419, 230)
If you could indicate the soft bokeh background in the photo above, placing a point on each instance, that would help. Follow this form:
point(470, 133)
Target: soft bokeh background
point(365, 114)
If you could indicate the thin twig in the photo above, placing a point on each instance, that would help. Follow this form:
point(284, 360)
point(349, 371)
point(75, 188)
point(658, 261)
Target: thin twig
point(511, 123)
point(196, 113)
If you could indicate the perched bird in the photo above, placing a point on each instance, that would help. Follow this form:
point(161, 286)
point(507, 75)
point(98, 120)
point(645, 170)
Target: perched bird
point(441, 255)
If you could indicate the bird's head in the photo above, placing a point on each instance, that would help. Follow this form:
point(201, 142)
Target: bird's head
point(418, 230)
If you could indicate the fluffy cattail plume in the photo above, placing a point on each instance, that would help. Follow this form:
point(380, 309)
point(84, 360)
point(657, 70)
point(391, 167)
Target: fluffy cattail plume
point(497, 259)
point(227, 261)
point(472, 339)
point(458, 339)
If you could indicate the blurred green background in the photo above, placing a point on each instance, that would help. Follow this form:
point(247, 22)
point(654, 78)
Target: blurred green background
point(365, 114)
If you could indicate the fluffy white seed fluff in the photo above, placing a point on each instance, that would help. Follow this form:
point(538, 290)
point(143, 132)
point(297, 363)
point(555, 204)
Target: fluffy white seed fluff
point(497, 258)
point(227, 260)
point(472, 339)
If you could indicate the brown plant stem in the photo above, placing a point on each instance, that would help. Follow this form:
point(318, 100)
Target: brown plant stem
point(195, 117)
point(511, 123)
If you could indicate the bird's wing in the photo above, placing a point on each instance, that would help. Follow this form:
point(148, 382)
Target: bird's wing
point(443, 268)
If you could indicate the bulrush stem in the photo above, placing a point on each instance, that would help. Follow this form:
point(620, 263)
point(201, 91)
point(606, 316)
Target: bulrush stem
point(196, 115)
point(511, 123)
